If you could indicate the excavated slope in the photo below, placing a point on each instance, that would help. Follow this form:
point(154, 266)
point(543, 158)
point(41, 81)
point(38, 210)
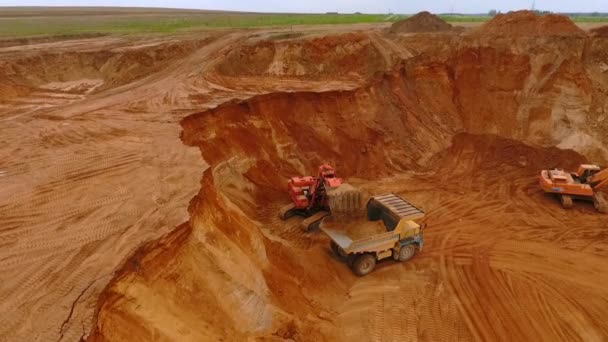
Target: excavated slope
point(461, 132)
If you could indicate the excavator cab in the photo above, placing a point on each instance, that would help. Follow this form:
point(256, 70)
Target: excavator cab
point(587, 170)
point(327, 175)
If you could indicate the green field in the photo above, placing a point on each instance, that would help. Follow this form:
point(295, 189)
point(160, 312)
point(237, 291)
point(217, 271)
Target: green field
point(27, 22)
point(166, 23)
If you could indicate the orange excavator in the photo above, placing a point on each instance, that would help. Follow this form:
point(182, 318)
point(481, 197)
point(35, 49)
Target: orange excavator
point(584, 184)
point(312, 197)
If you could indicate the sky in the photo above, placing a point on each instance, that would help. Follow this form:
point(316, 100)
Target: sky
point(342, 6)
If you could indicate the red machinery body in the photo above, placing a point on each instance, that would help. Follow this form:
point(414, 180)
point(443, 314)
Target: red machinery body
point(313, 197)
point(309, 193)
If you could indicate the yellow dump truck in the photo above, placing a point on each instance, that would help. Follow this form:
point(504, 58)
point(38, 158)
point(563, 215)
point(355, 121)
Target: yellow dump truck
point(385, 229)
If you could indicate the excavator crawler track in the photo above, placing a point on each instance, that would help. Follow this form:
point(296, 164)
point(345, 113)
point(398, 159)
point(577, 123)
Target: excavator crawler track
point(287, 211)
point(567, 202)
point(313, 221)
point(600, 202)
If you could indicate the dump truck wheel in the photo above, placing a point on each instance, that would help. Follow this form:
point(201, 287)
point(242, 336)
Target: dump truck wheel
point(407, 252)
point(566, 201)
point(364, 264)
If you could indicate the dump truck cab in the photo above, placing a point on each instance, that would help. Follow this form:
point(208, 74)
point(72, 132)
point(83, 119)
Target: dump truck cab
point(386, 229)
point(587, 170)
point(410, 232)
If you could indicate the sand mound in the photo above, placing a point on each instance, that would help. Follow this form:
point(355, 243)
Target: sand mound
point(527, 23)
point(421, 22)
point(601, 31)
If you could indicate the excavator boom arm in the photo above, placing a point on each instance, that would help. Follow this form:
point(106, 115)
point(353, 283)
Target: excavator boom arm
point(602, 185)
point(599, 180)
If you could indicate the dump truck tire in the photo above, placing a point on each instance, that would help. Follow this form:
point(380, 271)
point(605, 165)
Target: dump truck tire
point(407, 252)
point(364, 264)
point(566, 201)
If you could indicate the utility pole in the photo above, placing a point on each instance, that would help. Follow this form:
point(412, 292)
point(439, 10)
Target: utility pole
point(533, 5)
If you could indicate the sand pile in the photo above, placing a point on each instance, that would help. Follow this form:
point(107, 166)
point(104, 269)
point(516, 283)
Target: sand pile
point(527, 23)
point(487, 152)
point(601, 31)
point(421, 22)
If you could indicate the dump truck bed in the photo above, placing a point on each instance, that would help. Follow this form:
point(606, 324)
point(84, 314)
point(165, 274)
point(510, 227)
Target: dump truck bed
point(376, 242)
point(355, 229)
point(358, 234)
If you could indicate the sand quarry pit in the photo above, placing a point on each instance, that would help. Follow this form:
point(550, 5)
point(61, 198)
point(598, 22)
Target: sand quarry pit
point(140, 185)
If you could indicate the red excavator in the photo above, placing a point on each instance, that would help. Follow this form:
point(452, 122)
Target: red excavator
point(584, 184)
point(312, 196)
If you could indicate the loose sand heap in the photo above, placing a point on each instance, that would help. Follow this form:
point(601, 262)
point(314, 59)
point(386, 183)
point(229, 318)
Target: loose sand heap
point(601, 31)
point(421, 22)
point(527, 23)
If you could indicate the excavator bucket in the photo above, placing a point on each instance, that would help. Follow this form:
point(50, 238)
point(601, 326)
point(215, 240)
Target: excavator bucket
point(344, 200)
